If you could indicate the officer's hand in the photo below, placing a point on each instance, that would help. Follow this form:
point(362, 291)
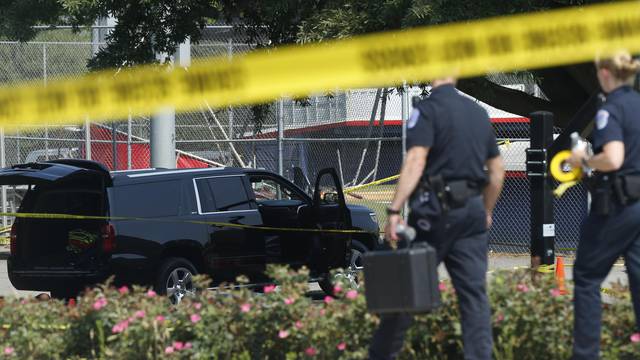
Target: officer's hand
point(576, 158)
point(390, 229)
point(489, 220)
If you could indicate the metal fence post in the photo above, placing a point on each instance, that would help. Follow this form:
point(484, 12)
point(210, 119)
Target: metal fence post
point(542, 222)
point(114, 146)
point(3, 163)
point(44, 63)
point(87, 139)
point(280, 117)
point(129, 142)
point(404, 101)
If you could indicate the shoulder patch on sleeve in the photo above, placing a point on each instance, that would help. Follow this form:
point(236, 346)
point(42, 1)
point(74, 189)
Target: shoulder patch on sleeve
point(413, 118)
point(602, 119)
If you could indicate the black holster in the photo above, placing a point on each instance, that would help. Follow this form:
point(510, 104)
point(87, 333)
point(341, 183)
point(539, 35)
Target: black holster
point(601, 194)
point(452, 194)
point(607, 190)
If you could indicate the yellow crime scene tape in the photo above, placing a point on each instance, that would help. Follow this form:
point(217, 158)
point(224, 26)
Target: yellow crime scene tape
point(214, 223)
point(351, 189)
point(463, 49)
point(373, 183)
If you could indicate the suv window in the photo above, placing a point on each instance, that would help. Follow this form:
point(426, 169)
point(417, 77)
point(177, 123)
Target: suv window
point(270, 189)
point(149, 200)
point(74, 202)
point(222, 193)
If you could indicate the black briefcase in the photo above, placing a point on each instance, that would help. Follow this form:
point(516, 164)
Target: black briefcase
point(402, 281)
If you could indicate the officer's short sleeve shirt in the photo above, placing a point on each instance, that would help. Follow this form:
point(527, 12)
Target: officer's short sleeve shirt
point(607, 126)
point(420, 130)
point(457, 132)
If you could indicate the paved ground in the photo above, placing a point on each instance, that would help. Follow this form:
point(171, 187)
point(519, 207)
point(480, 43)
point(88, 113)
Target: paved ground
point(496, 261)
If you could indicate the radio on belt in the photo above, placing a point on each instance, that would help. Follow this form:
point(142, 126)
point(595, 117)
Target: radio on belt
point(403, 280)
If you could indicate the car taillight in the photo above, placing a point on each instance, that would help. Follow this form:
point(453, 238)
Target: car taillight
point(13, 237)
point(108, 238)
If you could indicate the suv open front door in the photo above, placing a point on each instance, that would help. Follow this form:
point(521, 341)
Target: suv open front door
point(330, 212)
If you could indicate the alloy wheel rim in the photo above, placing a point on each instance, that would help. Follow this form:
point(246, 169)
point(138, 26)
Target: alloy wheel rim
point(179, 284)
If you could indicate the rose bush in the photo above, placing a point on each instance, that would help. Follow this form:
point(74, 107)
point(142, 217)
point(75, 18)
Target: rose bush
point(530, 321)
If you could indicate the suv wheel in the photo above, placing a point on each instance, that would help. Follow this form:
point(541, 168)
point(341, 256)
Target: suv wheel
point(64, 293)
point(175, 279)
point(351, 275)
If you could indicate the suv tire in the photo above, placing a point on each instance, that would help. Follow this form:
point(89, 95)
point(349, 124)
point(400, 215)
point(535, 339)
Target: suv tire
point(64, 294)
point(175, 279)
point(351, 275)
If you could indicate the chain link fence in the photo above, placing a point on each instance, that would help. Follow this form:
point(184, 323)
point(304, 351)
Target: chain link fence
point(358, 132)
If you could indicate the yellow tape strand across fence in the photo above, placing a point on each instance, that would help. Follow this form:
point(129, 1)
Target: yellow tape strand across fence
point(214, 223)
point(463, 49)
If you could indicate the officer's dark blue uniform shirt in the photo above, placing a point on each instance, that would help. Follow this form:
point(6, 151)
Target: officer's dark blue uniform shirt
point(619, 120)
point(458, 133)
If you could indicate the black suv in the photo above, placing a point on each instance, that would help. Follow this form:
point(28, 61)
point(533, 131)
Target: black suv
point(166, 225)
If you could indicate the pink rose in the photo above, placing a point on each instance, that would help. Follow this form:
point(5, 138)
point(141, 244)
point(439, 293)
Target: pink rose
point(555, 292)
point(522, 288)
point(311, 351)
point(197, 305)
point(99, 303)
point(328, 299)
point(289, 301)
point(168, 350)
point(322, 312)
point(178, 345)
point(337, 289)
point(195, 318)
point(269, 289)
point(298, 325)
point(8, 350)
point(499, 318)
point(123, 290)
point(151, 293)
point(635, 337)
point(341, 346)
point(283, 334)
point(159, 318)
point(188, 345)
point(442, 287)
point(245, 308)
point(352, 294)
point(140, 314)
point(120, 327)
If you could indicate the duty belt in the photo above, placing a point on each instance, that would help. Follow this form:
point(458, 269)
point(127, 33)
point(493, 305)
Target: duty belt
point(606, 188)
point(452, 194)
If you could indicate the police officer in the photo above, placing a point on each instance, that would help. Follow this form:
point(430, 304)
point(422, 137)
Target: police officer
point(612, 228)
point(450, 142)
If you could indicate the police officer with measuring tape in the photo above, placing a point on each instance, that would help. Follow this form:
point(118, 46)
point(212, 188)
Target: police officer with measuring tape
point(612, 228)
point(452, 177)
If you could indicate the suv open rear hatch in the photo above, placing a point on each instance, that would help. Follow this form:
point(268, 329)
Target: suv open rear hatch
point(53, 171)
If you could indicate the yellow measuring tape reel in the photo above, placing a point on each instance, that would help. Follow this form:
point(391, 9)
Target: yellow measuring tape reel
point(567, 175)
point(561, 170)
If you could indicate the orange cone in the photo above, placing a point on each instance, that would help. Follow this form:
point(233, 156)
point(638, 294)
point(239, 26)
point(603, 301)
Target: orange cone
point(560, 275)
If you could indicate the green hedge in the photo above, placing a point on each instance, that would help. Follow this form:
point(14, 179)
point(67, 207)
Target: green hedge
point(529, 322)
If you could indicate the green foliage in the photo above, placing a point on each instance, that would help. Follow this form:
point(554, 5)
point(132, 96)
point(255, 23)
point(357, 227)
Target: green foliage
point(17, 17)
point(144, 27)
point(530, 321)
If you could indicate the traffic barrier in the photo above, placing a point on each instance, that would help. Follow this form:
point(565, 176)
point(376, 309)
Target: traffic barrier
point(560, 275)
point(502, 44)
